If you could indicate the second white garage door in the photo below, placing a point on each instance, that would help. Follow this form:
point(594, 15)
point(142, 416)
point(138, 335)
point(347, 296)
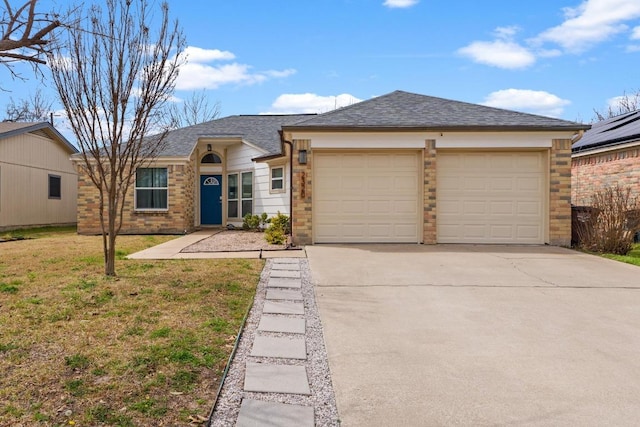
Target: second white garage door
point(366, 197)
point(491, 197)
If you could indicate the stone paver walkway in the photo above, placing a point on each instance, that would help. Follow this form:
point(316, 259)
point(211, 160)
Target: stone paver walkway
point(282, 313)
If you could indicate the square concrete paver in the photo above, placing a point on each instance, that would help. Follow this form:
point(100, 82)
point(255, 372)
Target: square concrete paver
point(283, 347)
point(280, 282)
point(283, 307)
point(286, 261)
point(284, 294)
point(288, 267)
point(285, 273)
point(290, 325)
point(266, 378)
point(270, 414)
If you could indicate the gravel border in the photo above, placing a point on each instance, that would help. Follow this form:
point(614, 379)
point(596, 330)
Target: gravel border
point(322, 396)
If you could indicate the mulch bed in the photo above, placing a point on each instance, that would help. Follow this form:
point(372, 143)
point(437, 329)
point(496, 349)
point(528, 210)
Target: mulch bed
point(233, 241)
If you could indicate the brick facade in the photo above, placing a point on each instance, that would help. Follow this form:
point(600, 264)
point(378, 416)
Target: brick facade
point(177, 220)
point(429, 210)
point(594, 172)
point(301, 188)
point(560, 193)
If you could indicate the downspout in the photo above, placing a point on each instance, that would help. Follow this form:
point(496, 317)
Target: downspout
point(290, 244)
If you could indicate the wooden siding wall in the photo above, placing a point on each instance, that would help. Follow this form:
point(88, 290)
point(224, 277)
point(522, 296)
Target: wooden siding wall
point(26, 161)
point(239, 160)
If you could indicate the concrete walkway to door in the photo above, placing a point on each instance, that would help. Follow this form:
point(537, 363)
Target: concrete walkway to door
point(479, 335)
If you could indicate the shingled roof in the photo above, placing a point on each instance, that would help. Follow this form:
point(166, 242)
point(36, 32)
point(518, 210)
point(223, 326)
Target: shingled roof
point(8, 129)
point(259, 130)
point(404, 110)
point(614, 131)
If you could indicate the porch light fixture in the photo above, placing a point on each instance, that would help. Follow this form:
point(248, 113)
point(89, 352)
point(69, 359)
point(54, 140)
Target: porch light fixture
point(208, 147)
point(302, 157)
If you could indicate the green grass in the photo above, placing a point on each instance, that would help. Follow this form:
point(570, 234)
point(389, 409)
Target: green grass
point(633, 257)
point(145, 348)
point(34, 233)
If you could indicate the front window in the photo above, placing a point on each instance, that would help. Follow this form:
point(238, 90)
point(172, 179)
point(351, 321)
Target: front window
point(55, 187)
point(277, 179)
point(239, 194)
point(151, 189)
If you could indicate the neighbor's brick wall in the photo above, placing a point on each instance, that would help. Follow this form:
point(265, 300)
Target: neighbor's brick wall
point(429, 212)
point(301, 188)
point(560, 193)
point(599, 171)
point(177, 220)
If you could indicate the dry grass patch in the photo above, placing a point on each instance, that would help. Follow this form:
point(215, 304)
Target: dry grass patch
point(145, 348)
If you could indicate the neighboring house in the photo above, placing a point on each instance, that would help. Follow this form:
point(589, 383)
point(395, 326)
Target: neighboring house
point(38, 183)
point(607, 155)
point(401, 167)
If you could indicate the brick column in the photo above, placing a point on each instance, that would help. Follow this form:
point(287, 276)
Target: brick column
point(429, 213)
point(301, 188)
point(560, 193)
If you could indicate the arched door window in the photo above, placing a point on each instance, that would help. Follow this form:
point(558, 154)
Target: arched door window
point(211, 158)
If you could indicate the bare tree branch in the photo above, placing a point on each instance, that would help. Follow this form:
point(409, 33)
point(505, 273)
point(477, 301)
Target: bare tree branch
point(114, 81)
point(35, 109)
point(193, 110)
point(25, 33)
point(623, 104)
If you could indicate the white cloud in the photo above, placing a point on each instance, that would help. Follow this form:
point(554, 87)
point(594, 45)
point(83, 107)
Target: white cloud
point(199, 73)
point(290, 103)
point(499, 53)
point(400, 3)
point(635, 34)
point(506, 33)
point(530, 101)
point(197, 54)
point(593, 21)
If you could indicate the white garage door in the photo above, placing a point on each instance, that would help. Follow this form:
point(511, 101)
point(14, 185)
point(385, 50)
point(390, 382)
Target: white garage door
point(366, 197)
point(491, 197)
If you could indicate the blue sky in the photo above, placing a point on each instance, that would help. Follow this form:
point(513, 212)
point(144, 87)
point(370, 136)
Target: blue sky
point(560, 58)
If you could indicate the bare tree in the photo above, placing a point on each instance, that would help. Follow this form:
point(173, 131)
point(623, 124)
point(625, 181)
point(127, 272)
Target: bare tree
point(623, 104)
point(25, 34)
point(37, 108)
point(114, 80)
point(193, 110)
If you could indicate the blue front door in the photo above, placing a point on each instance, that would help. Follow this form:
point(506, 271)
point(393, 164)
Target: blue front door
point(211, 199)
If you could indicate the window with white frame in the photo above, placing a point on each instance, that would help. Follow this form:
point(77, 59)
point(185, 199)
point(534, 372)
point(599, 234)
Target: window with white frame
point(277, 179)
point(152, 189)
point(239, 194)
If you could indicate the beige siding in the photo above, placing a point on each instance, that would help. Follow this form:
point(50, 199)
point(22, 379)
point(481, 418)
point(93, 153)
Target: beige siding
point(26, 161)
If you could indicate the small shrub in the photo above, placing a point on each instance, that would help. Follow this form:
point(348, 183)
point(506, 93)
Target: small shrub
point(613, 222)
point(277, 233)
point(251, 222)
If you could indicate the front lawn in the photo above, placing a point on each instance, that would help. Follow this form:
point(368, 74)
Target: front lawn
point(632, 257)
point(145, 348)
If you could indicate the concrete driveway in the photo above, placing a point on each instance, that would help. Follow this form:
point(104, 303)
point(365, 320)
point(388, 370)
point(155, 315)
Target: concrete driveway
point(479, 335)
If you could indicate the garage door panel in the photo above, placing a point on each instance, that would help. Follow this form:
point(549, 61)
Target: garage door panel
point(492, 197)
point(376, 199)
point(352, 161)
point(529, 183)
point(528, 209)
point(528, 231)
point(477, 208)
